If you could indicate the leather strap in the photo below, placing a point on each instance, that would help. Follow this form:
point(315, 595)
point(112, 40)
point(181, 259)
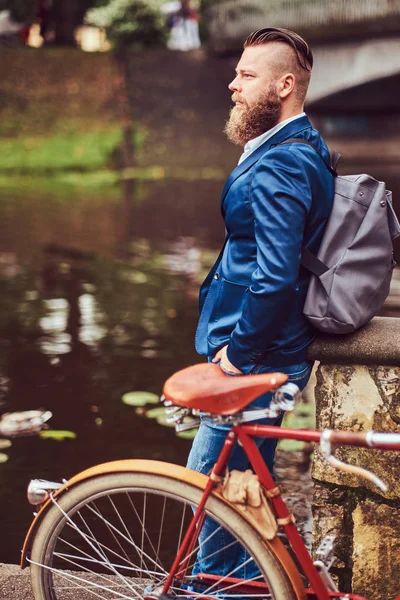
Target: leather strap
point(312, 263)
point(272, 493)
point(286, 520)
point(308, 259)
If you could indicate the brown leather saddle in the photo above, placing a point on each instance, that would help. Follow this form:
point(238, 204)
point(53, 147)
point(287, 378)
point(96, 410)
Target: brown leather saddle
point(207, 388)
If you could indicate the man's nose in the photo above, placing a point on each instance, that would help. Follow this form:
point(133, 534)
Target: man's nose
point(234, 85)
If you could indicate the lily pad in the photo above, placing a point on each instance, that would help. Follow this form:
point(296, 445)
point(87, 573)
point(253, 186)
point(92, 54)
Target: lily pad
point(58, 435)
point(162, 420)
point(3, 457)
point(140, 398)
point(4, 444)
point(155, 413)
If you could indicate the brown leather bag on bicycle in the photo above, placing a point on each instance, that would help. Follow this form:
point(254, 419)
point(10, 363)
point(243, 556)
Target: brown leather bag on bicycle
point(244, 490)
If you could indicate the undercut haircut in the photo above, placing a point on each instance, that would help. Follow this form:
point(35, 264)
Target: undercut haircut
point(285, 36)
point(302, 56)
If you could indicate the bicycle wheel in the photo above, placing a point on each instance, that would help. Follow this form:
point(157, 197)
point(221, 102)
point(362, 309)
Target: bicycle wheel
point(116, 536)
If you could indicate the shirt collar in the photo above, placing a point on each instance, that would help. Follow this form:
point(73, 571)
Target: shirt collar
point(258, 141)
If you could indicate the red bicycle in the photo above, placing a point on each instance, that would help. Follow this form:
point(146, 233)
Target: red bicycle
point(134, 528)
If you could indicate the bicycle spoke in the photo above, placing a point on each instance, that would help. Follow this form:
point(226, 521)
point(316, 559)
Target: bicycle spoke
point(156, 552)
point(122, 523)
point(225, 577)
point(118, 542)
point(144, 521)
point(132, 566)
point(91, 536)
point(181, 528)
point(124, 537)
point(108, 564)
point(161, 526)
point(194, 552)
point(69, 559)
point(77, 579)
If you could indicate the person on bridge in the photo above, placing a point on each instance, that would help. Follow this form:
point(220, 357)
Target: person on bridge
point(275, 203)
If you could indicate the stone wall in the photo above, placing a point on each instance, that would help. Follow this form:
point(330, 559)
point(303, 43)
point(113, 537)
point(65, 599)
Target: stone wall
point(360, 397)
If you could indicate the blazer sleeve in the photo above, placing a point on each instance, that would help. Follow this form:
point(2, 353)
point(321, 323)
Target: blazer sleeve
point(281, 199)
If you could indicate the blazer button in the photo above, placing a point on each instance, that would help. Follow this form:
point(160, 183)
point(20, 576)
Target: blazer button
point(216, 276)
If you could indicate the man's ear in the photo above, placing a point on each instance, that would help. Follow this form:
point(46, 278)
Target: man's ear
point(286, 85)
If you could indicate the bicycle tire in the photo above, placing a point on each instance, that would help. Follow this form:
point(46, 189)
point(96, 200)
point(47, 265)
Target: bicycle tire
point(80, 510)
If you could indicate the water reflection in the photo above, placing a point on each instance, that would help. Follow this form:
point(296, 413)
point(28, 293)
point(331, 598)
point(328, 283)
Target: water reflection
point(53, 324)
point(84, 319)
point(99, 298)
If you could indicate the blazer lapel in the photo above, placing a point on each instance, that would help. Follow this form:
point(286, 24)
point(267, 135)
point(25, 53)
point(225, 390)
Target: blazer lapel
point(290, 130)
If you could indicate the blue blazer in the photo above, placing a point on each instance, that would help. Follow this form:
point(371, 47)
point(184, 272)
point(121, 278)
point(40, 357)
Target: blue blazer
point(275, 203)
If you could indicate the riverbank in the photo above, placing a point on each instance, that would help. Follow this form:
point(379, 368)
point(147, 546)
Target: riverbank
point(59, 116)
point(60, 120)
point(58, 112)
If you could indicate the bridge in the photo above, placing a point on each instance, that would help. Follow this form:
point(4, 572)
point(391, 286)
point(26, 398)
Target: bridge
point(356, 43)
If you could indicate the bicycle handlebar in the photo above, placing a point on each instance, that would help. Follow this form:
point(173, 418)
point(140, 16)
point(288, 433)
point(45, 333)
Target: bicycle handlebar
point(368, 439)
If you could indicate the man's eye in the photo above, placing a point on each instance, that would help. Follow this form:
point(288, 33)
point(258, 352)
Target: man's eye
point(248, 76)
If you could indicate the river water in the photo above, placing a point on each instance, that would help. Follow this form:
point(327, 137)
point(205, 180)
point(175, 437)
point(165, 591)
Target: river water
point(99, 298)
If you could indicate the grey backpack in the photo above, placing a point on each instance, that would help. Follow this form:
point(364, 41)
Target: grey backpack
point(352, 272)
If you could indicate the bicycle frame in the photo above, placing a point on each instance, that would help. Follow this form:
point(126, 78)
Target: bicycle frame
point(244, 434)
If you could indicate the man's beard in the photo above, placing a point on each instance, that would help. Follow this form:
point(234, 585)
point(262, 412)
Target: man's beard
point(248, 122)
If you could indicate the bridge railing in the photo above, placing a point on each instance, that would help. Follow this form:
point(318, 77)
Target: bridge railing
point(232, 20)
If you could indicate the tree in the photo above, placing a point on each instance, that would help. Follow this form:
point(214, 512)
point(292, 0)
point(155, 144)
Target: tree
point(66, 16)
point(134, 23)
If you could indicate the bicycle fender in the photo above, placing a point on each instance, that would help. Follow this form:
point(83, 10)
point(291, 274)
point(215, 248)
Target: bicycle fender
point(179, 473)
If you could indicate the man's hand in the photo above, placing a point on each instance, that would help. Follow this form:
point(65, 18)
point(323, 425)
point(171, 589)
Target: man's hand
point(225, 364)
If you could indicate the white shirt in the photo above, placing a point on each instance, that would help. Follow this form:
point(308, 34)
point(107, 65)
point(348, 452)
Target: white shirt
point(256, 143)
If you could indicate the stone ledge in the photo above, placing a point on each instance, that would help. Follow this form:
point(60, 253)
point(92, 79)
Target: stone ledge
point(378, 343)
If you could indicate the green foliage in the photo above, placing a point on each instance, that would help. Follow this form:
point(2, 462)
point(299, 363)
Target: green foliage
point(135, 23)
point(22, 11)
point(81, 151)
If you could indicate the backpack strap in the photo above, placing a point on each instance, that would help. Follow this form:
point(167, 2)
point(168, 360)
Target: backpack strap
point(308, 259)
point(334, 159)
point(312, 263)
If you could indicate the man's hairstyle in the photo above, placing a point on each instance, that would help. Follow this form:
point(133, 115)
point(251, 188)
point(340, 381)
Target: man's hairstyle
point(285, 36)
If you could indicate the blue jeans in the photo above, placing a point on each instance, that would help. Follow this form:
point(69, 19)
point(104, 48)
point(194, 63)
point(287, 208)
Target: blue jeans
point(214, 555)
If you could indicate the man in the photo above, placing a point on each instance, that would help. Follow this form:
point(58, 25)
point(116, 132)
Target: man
point(275, 203)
